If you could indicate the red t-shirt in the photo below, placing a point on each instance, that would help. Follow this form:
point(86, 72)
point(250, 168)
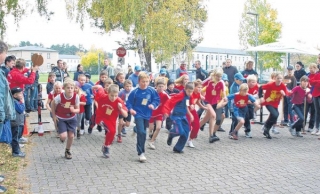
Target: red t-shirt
point(241, 101)
point(108, 111)
point(82, 99)
point(254, 90)
point(194, 98)
point(214, 91)
point(51, 95)
point(314, 80)
point(273, 96)
point(179, 87)
point(63, 108)
point(164, 97)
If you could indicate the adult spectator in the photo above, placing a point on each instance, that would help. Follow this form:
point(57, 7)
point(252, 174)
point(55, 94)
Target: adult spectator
point(299, 72)
point(65, 69)
point(134, 76)
point(167, 72)
point(58, 70)
point(7, 110)
point(8, 64)
point(108, 68)
point(181, 70)
point(230, 71)
point(200, 73)
point(130, 71)
point(249, 69)
point(16, 76)
point(78, 72)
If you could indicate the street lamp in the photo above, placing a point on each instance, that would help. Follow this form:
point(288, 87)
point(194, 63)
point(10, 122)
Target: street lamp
point(256, 58)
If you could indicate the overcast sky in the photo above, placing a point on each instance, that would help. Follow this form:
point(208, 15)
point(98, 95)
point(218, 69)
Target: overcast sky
point(221, 30)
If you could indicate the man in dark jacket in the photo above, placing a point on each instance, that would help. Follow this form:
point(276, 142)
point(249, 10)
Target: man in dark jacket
point(200, 73)
point(299, 71)
point(58, 70)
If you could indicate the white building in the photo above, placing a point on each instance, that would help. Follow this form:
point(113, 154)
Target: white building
point(71, 60)
point(213, 56)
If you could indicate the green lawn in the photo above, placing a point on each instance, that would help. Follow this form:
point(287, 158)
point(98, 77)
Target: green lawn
point(44, 77)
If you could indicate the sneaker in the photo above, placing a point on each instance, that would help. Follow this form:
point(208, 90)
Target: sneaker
point(169, 140)
point(81, 131)
point(234, 135)
point(67, 154)
point(267, 134)
point(314, 131)
point(23, 140)
point(106, 151)
point(190, 144)
point(292, 131)
point(221, 130)
point(318, 133)
point(248, 135)
point(21, 145)
point(299, 134)
point(202, 127)
point(142, 158)
point(123, 131)
point(20, 154)
point(86, 122)
point(177, 151)
point(119, 139)
point(99, 128)
point(274, 131)
point(230, 136)
point(309, 130)
point(78, 134)
point(89, 130)
point(2, 189)
point(213, 138)
point(151, 145)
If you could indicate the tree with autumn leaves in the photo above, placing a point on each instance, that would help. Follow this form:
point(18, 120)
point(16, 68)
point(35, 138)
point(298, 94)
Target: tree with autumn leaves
point(269, 30)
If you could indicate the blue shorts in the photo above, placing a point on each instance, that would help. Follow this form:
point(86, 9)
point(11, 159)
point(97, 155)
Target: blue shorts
point(65, 125)
point(240, 113)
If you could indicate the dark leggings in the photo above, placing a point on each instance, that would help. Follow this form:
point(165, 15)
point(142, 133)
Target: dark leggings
point(87, 114)
point(273, 116)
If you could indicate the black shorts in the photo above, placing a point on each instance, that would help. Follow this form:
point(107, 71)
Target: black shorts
point(127, 119)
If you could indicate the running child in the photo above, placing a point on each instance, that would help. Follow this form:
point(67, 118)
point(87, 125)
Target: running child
point(87, 88)
point(57, 89)
point(119, 80)
point(274, 91)
point(124, 122)
point(181, 82)
point(170, 91)
point(157, 114)
point(83, 101)
point(240, 109)
point(195, 99)
point(108, 110)
point(64, 108)
point(140, 103)
point(179, 103)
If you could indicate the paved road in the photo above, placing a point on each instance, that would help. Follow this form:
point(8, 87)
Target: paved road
point(284, 164)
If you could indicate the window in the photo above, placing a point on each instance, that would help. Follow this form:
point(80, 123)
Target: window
point(216, 57)
point(48, 55)
point(211, 57)
point(225, 57)
point(235, 58)
point(202, 57)
point(197, 56)
point(220, 57)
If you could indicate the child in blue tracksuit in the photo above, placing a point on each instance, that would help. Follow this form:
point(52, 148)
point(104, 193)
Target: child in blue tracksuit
point(140, 104)
point(181, 127)
point(18, 123)
point(87, 88)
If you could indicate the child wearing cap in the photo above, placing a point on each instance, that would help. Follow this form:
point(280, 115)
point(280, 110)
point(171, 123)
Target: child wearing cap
point(140, 103)
point(17, 124)
point(274, 91)
point(162, 75)
point(64, 108)
point(240, 107)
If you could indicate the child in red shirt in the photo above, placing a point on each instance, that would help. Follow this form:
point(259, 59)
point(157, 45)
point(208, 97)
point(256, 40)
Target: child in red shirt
point(57, 89)
point(240, 108)
point(253, 90)
point(271, 99)
point(157, 114)
point(193, 119)
point(109, 108)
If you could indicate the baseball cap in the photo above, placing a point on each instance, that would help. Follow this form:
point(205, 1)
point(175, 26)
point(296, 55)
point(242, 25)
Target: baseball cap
point(225, 77)
point(16, 90)
point(239, 76)
point(88, 75)
point(162, 71)
point(137, 68)
point(290, 67)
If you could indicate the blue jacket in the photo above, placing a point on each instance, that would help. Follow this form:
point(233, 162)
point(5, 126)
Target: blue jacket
point(19, 108)
point(134, 78)
point(7, 111)
point(233, 89)
point(87, 88)
point(139, 100)
point(180, 109)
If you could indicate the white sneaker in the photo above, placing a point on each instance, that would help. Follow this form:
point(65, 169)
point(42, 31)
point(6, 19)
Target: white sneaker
point(151, 145)
point(274, 130)
point(21, 145)
point(142, 158)
point(23, 140)
point(190, 144)
point(81, 131)
point(315, 131)
point(309, 130)
point(318, 133)
point(86, 122)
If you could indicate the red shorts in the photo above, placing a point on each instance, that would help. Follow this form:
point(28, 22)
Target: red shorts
point(156, 118)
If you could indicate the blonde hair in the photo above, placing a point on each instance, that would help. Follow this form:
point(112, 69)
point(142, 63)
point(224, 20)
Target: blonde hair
point(313, 65)
point(251, 78)
point(189, 86)
point(197, 82)
point(159, 82)
point(143, 75)
point(108, 81)
point(68, 82)
point(113, 88)
point(81, 75)
point(80, 92)
point(181, 79)
point(244, 86)
point(20, 63)
point(216, 72)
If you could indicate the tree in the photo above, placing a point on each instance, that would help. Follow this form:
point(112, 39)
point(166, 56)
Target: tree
point(90, 59)
point(163, 28)
point(18, 9)
point(269, 30)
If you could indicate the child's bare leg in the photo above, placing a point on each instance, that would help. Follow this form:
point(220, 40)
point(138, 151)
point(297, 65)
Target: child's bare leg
point(120, 126)
point(70, 139)
point(63, 136)
point(151, 128)
point(156, 132)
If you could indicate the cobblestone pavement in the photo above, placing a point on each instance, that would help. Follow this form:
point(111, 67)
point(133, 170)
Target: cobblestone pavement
point(284, 164)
